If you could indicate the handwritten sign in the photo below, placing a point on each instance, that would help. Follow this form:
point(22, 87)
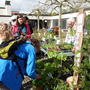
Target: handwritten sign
point(79, 38)
point(77, 45)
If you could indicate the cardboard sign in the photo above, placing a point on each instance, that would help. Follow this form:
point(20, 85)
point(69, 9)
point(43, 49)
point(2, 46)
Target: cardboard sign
point(78, 42)
point(77, 45)
point(79, 32)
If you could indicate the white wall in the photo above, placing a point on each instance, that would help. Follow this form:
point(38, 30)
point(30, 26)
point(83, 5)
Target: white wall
point(68, 15)
point(87, 12)
point(2, 11)
point(8, 10)
point(5, 19)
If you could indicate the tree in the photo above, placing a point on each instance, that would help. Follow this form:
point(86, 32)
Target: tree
point(72, 5)
point(57, 4)
point(84, 1)
point(38, 11)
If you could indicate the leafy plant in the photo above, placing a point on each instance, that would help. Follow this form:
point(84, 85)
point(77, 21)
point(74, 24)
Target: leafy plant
point(61, 85)
point(88, 22)
point(51, 71)
point(84, 74)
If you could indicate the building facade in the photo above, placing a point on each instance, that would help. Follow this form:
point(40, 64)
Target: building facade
point(5, 12)
point(46, 21)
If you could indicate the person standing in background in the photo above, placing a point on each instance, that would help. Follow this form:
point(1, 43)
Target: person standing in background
point(70, 37)
point(26, 21)
point(13, 20)
point(20, 29)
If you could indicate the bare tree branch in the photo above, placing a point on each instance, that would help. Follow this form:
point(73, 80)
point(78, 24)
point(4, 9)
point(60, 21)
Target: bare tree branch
point(54, 9)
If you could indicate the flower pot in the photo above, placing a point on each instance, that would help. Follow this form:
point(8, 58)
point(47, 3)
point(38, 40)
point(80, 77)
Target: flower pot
point(59, 48)
point(39, 88)
point(56, 48)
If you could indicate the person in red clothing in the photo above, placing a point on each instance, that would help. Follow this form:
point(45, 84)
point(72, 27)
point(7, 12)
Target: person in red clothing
point(26, 21)
point(20, 29)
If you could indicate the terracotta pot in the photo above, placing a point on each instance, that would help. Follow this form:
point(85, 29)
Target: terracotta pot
point(39, 88)
point(76, 88)
point(56, 48)
point(59, 48)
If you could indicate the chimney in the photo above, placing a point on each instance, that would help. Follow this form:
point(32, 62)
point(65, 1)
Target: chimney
point(7, 2)
point(8, 7)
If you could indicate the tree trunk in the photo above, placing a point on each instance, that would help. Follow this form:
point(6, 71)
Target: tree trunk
point(38, 23)
point(60, 12)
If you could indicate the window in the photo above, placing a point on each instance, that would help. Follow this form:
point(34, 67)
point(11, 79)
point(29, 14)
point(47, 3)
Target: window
point(63, 23)
point(55, 22)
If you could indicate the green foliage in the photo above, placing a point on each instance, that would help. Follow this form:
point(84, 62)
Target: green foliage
point(62, 86)
point(46, 81)
point(84, 70)
point(48, 70)
point(85, 74)
point(53, 53)
point(86, 45)
point(44, 68)
point(72, 32)
point(88, 22)
point(67, 46)
point(59, 57)
point(63, 56)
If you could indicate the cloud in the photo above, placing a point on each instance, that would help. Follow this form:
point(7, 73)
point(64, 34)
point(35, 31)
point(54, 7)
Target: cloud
point(20, 5)
point(2, 3)
point(23, 5)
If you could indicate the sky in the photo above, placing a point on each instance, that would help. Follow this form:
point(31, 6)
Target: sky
point(21, 5)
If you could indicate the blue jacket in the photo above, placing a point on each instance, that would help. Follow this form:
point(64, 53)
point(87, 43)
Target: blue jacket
point(9, 73)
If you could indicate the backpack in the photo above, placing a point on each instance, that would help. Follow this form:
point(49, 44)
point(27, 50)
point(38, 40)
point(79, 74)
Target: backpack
point(7, 49)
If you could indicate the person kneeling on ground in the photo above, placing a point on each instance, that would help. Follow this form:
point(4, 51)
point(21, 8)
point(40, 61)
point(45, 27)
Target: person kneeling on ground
point(10, 75)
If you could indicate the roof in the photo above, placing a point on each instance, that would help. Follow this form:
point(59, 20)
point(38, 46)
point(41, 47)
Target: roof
point(5, 15)
point(2, 7)
point(15, 12)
